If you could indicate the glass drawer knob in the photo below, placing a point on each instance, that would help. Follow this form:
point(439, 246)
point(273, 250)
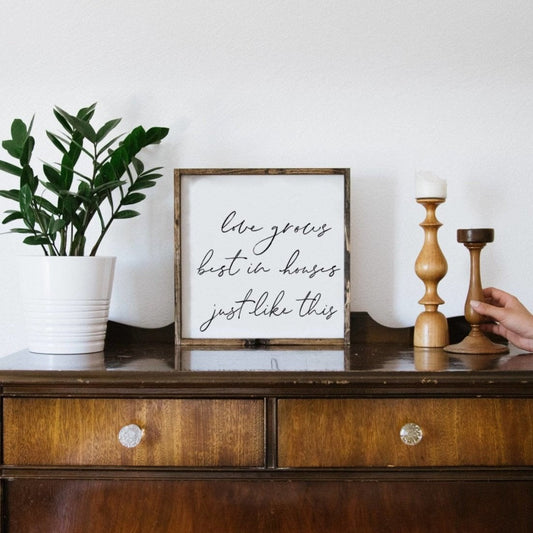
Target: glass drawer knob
point(130, 436)
point(411, 434)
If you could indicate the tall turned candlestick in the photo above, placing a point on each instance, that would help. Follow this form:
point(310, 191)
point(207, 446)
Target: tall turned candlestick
point(476, 342)
point(431, 326)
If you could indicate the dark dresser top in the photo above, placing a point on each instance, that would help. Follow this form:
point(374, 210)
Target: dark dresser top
point(379, 360)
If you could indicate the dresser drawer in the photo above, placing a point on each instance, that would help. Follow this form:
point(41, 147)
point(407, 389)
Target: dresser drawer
point(272, 505)
point(183, 432)
point(366, 432)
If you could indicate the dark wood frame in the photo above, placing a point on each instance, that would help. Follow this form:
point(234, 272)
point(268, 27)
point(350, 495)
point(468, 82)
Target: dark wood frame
point(178, 174)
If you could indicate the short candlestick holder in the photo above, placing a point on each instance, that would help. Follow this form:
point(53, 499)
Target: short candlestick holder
point(476, 342)
point(431, 326)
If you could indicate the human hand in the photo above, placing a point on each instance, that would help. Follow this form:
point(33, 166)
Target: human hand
point(513, 320)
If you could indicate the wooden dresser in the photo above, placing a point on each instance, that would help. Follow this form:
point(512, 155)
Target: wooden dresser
point(376, 438)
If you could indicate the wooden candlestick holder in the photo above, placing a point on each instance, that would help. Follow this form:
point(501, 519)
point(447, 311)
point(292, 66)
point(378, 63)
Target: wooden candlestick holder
point(476, 342)
point(431, 326)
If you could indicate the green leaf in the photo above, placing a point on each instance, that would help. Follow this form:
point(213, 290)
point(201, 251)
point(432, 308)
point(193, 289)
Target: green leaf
point(108, 187)
point(67, 172)
point(127, 213)
point(156, 135)
point(25, 200)
point(13, 215)
point(68, 205)
point(77, 219)
point(51, 187)
point(56, 142)
point(107, 146)
point(19, 131)
point(133, 198)
point(30, 125)
point(106, 128)
point(55, 225)
point(86, 113)
point(22, 230)
point(142, 184)
point(54, 176)
point(80, 125)
point(12, 194)
point(10, 169)
point(124, 154)
point(120, 160)
point(19, 134)
point(12, 148)
point(150, 175)
point(37, 240)
point(84, 128)
point(84, 191)
point(28, 178)
point(106, 174)
point(27, 150)
point(62, 121)
point(138, 165)
point(44, 220)
point(134, 141)
point(45, 204)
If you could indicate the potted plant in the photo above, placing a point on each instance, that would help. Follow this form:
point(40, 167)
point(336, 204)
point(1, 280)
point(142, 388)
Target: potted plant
point(98, 178)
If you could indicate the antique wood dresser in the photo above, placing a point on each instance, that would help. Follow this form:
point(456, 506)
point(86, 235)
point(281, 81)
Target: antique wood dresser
point(379, 437)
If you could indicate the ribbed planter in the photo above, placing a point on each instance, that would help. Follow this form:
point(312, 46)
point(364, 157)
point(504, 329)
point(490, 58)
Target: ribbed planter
point(66, 302)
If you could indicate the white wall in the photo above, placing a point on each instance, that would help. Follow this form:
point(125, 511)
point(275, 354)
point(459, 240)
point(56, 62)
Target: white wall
point(382, 87)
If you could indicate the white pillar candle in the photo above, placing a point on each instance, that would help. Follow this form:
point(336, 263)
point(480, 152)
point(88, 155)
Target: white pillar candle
point(428, 185)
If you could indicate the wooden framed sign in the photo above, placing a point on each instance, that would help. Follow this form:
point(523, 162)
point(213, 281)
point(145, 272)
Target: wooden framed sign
point(262, 256)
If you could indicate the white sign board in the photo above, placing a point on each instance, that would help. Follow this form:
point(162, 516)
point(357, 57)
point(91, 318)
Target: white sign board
point(262, 255)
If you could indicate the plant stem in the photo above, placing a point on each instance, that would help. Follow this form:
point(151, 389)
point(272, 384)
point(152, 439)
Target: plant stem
point(52, 250)
point(102, 234)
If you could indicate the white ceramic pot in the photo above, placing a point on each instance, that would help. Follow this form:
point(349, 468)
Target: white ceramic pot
point(66, 302)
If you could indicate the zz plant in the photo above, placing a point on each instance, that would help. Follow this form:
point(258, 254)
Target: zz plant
point(97, 181)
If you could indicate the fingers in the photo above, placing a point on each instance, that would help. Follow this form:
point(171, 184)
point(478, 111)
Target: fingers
point(497, 329)
point(496, 313)
point(497, 296)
